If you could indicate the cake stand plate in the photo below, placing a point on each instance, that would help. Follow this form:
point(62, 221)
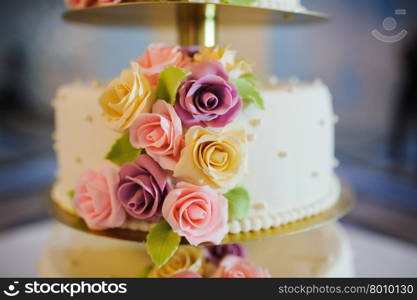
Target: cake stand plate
point(338, 210)
point(164, 13)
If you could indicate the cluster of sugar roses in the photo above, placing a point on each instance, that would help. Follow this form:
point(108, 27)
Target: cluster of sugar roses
point(180, 155)
point(222, 261)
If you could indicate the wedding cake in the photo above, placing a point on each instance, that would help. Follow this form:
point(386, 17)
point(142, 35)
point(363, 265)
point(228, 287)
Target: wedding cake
point(188, 146)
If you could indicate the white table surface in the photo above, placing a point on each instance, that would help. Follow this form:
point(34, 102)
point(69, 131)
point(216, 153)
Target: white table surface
point(375, 255)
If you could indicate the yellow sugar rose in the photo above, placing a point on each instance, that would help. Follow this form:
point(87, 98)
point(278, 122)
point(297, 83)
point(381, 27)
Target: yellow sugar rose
point(240, 68)
point(187, 258)
point(222, 54)
point(236, 67)
point(213, 158)
point(126, 97)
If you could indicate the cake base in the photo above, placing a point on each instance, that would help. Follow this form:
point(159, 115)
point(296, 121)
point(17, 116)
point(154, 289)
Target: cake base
point(70, 253)
point(340, 208)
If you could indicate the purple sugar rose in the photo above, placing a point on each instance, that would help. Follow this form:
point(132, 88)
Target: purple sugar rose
point(215, 254)
point(142, 188)
point(207, 97)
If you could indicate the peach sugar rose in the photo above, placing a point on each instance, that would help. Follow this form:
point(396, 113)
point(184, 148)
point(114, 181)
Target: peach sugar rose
point(199, 213)
point(159, 56)
point(96, 202)
point(160, 134)
point(237, 267)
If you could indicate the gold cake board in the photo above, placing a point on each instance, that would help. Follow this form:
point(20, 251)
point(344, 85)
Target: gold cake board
point(343, 205)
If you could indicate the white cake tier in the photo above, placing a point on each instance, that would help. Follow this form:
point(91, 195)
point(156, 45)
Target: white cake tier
point(291, 151)
point(324, 252)
point(291, 155)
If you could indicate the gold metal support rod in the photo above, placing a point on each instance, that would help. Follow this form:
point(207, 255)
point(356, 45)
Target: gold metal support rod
point(196, 25)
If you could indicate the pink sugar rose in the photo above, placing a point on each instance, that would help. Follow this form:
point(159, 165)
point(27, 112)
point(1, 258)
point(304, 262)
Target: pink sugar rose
point(95, 200)
point(80, 3)
point(160, 134)
point(197, 212)
point(187, 274)
point(159, 56)
point(237, 267)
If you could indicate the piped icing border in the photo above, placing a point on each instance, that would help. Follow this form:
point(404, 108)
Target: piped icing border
point(258, 222)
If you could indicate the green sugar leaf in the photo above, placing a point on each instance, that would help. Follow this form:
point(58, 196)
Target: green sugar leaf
point(252, 79)
point(239, 203)
point(248, 92)
point(122, 151)
point(168, 83)
point(161, 243)
point(145, 271)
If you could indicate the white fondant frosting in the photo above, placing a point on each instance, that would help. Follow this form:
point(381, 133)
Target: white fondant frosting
point(82, 138)
point(291, 158)
point(290, 155)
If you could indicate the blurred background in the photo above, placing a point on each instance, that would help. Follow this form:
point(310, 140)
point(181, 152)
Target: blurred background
point(367, 55)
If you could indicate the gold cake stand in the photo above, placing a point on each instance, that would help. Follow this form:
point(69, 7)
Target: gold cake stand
point(343, 205)
point(196, 22)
